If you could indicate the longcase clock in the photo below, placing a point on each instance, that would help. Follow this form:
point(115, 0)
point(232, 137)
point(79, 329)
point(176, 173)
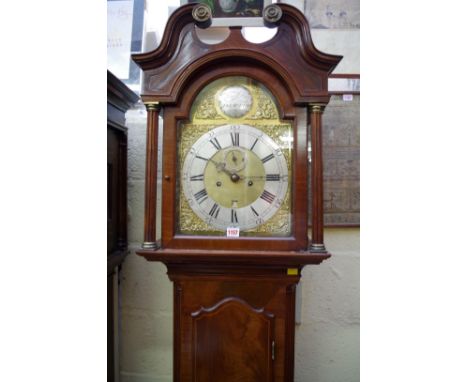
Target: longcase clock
point(237, 119)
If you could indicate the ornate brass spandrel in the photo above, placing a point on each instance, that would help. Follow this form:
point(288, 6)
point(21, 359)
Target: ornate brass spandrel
point(189, 222)
point(265, 106)
point(205, 108)
point(188, 135)
point(280, 223)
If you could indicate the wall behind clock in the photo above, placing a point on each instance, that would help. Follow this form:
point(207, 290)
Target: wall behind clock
point(327, 338)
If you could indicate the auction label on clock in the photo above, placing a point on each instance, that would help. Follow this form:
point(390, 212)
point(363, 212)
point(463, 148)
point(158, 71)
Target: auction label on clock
point(232, 231)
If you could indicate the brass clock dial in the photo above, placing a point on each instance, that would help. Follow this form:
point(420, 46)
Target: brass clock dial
point(245, 162)
point(235, 175)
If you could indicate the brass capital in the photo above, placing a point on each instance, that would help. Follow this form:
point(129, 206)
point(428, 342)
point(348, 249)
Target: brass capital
point(317, 247)
point(316, 107)
point(150, 245)
point(152, 106)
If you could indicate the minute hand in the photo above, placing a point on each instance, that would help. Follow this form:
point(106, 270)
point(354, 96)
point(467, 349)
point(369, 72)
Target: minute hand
point(253, 177)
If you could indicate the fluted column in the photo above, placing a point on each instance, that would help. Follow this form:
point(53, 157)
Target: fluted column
point(151, 175)
point(315, 120)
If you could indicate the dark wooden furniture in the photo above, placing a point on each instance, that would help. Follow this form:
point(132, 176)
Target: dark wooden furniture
point(234, 298)
point(119, 100)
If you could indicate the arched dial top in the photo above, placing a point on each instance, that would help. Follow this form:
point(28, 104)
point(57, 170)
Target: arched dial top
point(235, 175)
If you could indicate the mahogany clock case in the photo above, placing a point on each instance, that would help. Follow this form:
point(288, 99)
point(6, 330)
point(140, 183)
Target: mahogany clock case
point(234, 299)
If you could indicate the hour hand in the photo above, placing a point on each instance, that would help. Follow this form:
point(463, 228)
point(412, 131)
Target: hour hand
point(222, 167)
point(232, 174)
point(219, 166)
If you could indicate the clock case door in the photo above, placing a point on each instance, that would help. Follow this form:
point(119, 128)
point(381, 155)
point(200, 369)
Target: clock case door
point(174, 115)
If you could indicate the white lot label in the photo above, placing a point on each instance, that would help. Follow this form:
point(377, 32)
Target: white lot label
point(232, 231)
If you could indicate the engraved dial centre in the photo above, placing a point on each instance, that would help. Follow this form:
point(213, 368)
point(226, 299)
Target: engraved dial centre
point(234, 181)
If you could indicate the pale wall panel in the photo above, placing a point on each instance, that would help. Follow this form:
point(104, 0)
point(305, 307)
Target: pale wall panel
point(333, 14)
point(345, 43)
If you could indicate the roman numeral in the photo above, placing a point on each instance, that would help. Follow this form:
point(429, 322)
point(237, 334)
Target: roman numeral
point(197, 177)
point(235, 139)
point(199, 157)
point(273, 177)
point(252, 147)
point(253, 210)
point(234, 216)
point(267, 158)
point(201, 196)
point(268, 196)
point(215, 143)
point(214, 211)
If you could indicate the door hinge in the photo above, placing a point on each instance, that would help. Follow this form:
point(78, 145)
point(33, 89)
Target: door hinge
point(273, 350)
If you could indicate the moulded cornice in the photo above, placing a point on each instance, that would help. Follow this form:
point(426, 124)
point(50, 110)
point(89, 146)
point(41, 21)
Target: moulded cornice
point(290, 53)
point(296, 19)
point(193, 257)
